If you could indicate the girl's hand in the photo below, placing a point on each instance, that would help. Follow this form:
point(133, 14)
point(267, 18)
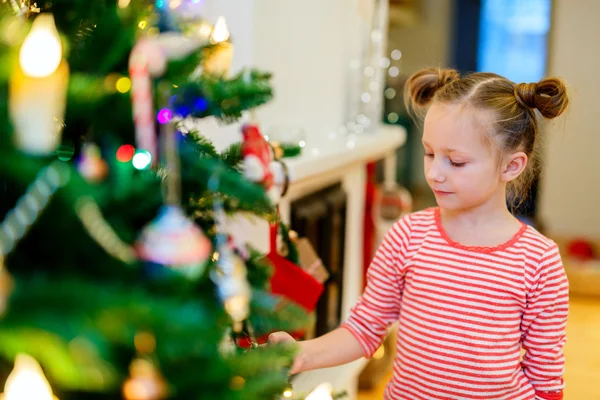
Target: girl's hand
point(301, 359)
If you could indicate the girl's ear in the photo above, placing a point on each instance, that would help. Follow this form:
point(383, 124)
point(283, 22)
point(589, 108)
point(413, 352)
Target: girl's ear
point(513, 166)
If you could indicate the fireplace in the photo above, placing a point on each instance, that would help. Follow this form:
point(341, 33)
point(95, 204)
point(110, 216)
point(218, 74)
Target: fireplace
point(321, 218)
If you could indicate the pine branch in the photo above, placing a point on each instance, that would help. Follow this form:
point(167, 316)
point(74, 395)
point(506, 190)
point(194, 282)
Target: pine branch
point(232, 155)
point(203, 146)
point(223, 98)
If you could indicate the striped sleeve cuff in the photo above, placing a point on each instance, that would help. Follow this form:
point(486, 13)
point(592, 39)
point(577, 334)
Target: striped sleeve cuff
point(364, 342)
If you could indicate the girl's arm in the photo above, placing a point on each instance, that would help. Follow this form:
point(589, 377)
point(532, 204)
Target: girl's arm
point(543, 326)
point(335, 348)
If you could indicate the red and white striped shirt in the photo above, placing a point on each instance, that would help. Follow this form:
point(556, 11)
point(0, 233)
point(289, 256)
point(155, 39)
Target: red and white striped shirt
point(465, 313)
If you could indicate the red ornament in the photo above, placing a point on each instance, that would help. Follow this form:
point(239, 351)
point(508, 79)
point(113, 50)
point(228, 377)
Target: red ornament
point(257, 156)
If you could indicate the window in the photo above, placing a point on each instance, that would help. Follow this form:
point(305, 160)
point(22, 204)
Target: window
point(513, 39)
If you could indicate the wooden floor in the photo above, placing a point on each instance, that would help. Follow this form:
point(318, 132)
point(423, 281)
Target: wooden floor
point(582, 353)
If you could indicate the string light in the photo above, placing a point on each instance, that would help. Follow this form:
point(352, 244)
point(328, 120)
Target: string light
point(394, 72)
point(125, 153)
point(164, 116)
point(31, 204)
point(141, 159)
point(396, 54)
point(123, 85)
point(142, 24)
point(390, 93)
point(91, 217)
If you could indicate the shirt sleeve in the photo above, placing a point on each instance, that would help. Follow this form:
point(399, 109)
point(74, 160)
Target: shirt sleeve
point(543, 325)
point(379, 305)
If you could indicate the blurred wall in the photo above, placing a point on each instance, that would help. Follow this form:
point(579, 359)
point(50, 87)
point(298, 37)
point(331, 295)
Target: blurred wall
point(308, 45)
point(426, 42)
point(570, 190)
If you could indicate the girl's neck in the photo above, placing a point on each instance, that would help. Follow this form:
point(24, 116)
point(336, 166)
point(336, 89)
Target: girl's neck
point(477, 216)
point(494, 210)
point(488, 225)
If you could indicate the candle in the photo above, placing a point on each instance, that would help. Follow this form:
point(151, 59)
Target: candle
point(217, 59)
point(27, 381)
point(38, 89)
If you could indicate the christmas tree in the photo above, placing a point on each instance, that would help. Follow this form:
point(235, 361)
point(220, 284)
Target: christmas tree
point(117, 276)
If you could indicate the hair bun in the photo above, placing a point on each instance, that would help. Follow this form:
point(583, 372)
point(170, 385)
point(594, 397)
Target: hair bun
point(549, 96)
point(422, 86)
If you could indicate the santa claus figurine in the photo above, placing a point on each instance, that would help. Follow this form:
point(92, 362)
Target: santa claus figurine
point(259, 165)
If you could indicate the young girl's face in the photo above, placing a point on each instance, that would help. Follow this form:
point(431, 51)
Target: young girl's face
point(460, 164)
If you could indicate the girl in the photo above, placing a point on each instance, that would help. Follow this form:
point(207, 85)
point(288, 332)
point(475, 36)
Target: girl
point(481, 299)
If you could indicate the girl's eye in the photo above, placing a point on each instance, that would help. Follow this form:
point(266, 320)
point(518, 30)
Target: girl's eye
point(457, 164)
point(430, 155)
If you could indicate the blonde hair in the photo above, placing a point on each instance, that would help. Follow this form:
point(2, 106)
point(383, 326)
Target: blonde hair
point(515, 126)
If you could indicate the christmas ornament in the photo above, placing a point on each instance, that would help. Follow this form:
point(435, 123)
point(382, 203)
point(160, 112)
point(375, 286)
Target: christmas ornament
point(38, 89)
point(27, 381)
point(259, 166)
point(217, 58)
point(146, 59)
point(232, 286)
point(172, 240)
point(230, 272)
point(227, 344)
point(394, 202)
point(281, 181)
point(91, 165)
point(149, 59)
point(257, 156)
point(145, 382)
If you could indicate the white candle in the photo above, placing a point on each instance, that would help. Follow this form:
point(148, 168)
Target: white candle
point(217, 60)
point(38, 89)
point(27, 381)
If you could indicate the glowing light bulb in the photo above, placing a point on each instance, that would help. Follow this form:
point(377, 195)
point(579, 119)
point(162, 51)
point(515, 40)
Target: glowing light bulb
point(141, 160)
point(123, 85)
point(27, 381)
point(220, 32)
point(125, 153)
point(321, 392)
point(41, 52)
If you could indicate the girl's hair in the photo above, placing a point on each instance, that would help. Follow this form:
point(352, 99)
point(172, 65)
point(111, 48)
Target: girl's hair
point(515, 125)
